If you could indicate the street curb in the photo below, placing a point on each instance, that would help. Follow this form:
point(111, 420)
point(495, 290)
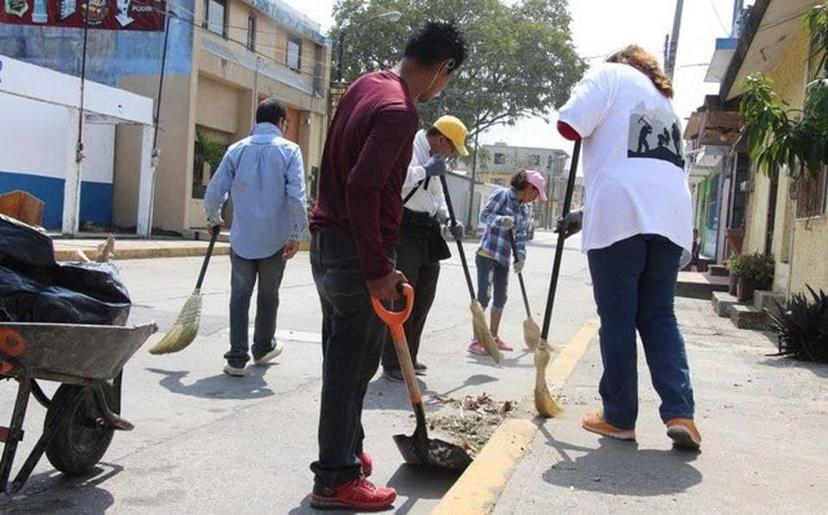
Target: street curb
point(479, 487)
point(121, 254)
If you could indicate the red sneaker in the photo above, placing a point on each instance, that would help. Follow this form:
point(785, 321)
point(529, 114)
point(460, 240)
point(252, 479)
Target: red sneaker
point(367, 464)
point(359, 495)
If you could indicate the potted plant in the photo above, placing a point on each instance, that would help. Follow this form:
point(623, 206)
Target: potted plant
point(755, 272)
point(734, 265)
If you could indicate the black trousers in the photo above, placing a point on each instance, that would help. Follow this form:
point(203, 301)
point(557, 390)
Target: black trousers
point(352, 342)
point(414, 260)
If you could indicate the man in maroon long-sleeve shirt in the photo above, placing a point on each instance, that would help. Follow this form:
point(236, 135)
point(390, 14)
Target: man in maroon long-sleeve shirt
point(355, 228)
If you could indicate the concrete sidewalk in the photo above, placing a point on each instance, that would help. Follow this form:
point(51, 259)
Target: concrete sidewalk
point(762, 419)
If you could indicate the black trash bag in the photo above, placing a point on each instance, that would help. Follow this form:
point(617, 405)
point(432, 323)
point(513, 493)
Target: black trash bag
point(67, 293)
point(22, 244)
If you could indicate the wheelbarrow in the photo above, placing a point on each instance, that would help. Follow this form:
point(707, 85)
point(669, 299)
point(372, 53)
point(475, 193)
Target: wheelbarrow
point(84, 412)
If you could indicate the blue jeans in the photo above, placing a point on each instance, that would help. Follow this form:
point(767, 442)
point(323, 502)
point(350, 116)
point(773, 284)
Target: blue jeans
point(491, 273)
point(352, 341)
point(243, 278)
point(634, 283)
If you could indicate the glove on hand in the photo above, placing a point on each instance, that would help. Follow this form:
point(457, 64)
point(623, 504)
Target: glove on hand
point(518, 265)
point(505, 222)
point(435, 166)
point(457, 231)
point(570, 224)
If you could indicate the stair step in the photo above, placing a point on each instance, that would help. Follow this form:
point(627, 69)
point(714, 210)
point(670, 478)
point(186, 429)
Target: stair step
point(748, 317)
point(718, 270)
point(723, 303)
point(764, 300)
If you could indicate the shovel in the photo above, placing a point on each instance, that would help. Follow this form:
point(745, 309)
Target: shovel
point(545, 404)
point(531, 331)
point(417, 449)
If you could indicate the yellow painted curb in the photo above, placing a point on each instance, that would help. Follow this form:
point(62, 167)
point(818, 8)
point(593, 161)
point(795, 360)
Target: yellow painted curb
point(145, 253)
point(478, 489)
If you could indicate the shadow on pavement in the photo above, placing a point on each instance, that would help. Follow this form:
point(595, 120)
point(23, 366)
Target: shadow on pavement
point(819, 370)
point(620, 468)
point(53, 491)
point(221, 386)
point(305, 509)
point(416, 483)
point(507, 362)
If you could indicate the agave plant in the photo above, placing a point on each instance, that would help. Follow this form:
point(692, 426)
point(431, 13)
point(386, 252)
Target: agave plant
point(802, 327)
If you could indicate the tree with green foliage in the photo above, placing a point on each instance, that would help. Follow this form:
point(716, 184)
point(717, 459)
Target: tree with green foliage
point(522, 61)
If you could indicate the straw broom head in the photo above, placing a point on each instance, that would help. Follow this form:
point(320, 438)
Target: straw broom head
point(482, 333)
point(545, 404)
point(185, 328)
point(531, 333)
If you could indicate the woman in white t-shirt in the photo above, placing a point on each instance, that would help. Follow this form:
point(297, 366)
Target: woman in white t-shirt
point(637, 229)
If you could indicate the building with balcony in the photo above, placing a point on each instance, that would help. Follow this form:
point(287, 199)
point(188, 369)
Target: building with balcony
point(223, 57)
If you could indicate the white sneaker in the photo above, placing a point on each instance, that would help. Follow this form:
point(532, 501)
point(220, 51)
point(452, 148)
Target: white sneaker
point(278, 347)
point(235, 372)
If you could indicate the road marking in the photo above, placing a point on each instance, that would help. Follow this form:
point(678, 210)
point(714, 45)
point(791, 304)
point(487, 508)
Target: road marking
point(477, 490)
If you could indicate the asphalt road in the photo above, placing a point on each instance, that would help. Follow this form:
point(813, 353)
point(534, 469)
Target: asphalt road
point(210, 443)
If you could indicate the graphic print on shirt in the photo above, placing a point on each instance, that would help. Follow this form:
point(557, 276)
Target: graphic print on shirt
point(655, 134)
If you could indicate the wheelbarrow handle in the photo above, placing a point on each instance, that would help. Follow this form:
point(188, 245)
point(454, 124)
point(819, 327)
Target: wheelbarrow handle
point(395, 319)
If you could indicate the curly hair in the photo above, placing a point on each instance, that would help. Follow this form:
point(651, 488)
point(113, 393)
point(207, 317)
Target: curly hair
point(646, 63)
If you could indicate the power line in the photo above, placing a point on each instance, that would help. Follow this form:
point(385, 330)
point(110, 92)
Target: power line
point(718, 17)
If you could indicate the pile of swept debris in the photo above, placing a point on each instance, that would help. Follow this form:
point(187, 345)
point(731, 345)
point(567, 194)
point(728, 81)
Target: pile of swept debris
point(472, 420)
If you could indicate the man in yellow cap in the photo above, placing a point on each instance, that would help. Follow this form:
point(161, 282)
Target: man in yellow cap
point(421, 246)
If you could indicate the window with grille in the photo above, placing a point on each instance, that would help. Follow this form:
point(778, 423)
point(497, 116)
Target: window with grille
point(499, 158)
point(812, 194)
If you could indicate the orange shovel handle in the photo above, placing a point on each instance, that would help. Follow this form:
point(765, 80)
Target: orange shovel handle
point(395, 319)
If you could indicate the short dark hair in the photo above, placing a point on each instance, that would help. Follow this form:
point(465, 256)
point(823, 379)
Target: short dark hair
point(433, 131)
point(270, 111)
point(436, 41)
point(519, 180)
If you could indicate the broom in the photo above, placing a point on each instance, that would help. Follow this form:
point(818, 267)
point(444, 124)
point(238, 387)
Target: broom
point(185, 328)
point(479, 325)
point(545, 404)
point(531, 331)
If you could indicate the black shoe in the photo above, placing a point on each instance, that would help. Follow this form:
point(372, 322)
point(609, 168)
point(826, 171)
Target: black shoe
point(393, 374)
point(420, 367)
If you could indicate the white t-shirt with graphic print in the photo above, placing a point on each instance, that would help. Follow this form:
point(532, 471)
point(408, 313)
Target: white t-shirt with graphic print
point(633, 161)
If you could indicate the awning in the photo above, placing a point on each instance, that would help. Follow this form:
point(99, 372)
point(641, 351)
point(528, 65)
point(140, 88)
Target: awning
point(725, 48)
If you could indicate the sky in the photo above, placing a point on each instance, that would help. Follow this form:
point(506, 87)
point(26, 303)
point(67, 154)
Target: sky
point(601, 26)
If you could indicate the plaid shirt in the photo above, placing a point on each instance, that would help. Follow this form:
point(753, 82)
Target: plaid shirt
point(496, 240)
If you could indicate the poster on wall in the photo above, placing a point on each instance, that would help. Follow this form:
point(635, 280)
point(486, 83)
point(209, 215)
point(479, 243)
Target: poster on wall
point(147, 15)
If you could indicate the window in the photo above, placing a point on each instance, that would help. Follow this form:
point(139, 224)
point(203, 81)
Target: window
point(812, 197)
point(294, 54)
point(251, 32)
point(215, 16)
point(534, 160)
point(499, 159)
point(317, 70)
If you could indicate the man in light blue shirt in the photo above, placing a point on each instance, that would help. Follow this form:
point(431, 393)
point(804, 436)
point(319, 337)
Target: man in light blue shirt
point(264, 175)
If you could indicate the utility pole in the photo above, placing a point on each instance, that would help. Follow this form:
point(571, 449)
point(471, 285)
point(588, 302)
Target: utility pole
point(473, 178)
point(670, 62)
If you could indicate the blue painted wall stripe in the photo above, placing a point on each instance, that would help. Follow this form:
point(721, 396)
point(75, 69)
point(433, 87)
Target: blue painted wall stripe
point(47, 189)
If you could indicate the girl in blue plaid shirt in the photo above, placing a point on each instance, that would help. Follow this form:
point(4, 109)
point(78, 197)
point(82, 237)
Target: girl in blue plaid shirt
point(505, 217)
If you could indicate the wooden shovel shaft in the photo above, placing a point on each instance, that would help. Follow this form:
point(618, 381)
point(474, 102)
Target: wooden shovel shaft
point(556, 266)
point(459, 243)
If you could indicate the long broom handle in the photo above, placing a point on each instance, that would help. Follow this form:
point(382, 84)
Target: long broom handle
point(556, 266)
point(520, 275)
point(459, 243)
point(203, 272)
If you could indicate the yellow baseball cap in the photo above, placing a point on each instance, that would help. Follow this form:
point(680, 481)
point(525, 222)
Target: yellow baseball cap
point(452, 128)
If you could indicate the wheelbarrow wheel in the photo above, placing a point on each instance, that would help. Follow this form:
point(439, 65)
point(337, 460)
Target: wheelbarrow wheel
point(79, 442)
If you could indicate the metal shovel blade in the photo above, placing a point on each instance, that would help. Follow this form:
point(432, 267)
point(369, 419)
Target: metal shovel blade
point(434, 452)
